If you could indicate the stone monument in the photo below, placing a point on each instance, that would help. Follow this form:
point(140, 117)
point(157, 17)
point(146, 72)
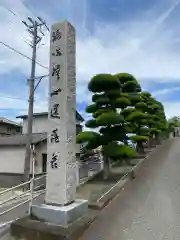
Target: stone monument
point(60, 205)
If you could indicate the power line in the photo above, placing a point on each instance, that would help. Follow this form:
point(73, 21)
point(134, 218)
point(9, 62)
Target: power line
point(13, 49)
point(26, 6)
point(33, 13)
point(14, 98)
point(22, 54)
point(13, 109)
point(9, 10)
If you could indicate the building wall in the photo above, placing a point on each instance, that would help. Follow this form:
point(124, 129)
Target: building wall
point(7, 129)
point(40, 124)
point(12, 165)
point(8, 180)
point(12, 159)
point(42, 149)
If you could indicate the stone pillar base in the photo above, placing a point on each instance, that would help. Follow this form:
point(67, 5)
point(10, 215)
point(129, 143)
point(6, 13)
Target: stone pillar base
point(60, 215)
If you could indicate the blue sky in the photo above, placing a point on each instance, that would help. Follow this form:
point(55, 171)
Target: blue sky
point(139, 37)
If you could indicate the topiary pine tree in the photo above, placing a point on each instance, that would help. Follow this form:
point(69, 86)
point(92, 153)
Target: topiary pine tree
point(129, 84)
point(107, 98)
point(139, 129)
point(157, 120)
point(172, 123)
point(160, 122)
point(135, 114)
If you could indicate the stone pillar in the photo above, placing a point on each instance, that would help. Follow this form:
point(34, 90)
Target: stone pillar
point(61, 146)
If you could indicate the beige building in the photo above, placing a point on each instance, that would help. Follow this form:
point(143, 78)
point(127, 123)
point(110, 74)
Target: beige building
point(12, 149)
point(8, 127)
point(40, 122)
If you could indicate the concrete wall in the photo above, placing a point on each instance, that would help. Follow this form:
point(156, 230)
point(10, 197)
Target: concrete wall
point(40, 124)
point(8, 180)
point(11, 165)
point(12, 159)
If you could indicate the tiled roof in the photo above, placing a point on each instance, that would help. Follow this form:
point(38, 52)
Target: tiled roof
point(20, 139)
point(78, 115)
point(7, 121)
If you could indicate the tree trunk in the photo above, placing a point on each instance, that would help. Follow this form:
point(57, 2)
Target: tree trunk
point(106, 168)
point(140, 148)
point(157, 139)
point(126, 142)
point(150, 143)
point(153, 141)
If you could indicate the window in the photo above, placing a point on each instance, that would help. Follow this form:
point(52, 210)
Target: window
point(44, 162)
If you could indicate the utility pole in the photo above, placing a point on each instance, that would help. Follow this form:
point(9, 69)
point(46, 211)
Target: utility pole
point(34, 27)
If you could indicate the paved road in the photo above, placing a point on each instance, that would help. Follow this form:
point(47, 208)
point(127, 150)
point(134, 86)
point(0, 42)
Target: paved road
point(149, 207)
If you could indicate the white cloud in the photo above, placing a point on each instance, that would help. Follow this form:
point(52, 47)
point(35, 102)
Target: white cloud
point(15, 35)
point(172, 109)
point(21, 105)
point(111, 48)
point(165, 91)
point(123, 52)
